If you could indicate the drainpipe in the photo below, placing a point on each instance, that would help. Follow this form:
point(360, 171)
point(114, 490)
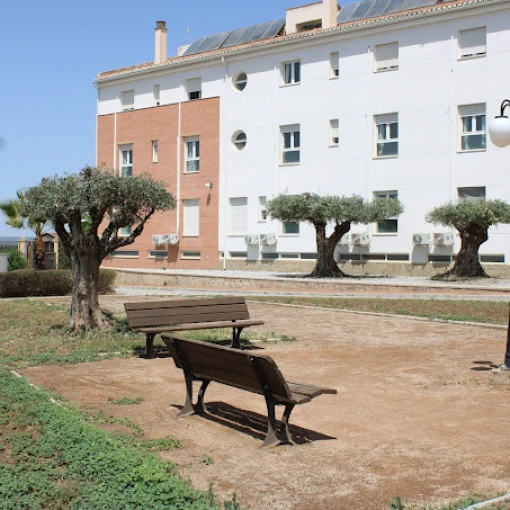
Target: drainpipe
point(115, 131)
point(178, 191)
point(224, 200)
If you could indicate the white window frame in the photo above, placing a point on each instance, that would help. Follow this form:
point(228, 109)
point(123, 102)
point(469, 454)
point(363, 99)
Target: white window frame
point(471, 194)
point(334, 138)
point(125, 231)
point(156, 93)
point(191, 217)
point(386, 195)
point(262, 209)
point(334, 65)
point(191, 254)
point(238, 216)
point(127, 99)
point(155, 151)
point(386, 57)
point(194, 87)
point(291, 72)
point(386, 135)
point(283, 228)
point(191, 154)
point(290, 144)
point(126, 160)
point(472, 127)
point(472, 43)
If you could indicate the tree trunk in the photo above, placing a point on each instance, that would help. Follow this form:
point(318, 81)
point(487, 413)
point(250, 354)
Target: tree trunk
point(85, 311)
point(467, 263)
point(39, 252)
point(326, 267)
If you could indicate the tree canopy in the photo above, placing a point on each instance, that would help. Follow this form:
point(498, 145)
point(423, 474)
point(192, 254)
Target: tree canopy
point(472, 220)
point(340, 212)
point(87, 210)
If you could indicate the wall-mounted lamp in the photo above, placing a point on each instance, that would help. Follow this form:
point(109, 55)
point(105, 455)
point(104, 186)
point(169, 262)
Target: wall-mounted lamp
point(208, 185)
point(499, 129)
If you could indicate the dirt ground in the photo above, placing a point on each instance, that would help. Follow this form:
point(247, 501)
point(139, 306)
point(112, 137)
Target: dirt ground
point(415, 416)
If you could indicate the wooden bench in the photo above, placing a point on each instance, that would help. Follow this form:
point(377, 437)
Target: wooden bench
point(242, 369)
point(155, 317)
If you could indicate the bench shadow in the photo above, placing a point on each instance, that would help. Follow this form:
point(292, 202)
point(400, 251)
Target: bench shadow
point(254, 424)
point(483, 365)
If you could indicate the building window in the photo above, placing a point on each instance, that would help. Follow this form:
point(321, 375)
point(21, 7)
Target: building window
point(194, 88)
point(190, 254)
point(158, 254)
point(291, 142)
point(191, 219)
point(475, 194)
point(291, 72)
point(334, 65)
point(125, 231)
point(124, 254)
point(192, 146)
point(472, 127)
point(238, 216)
point(127, 99)
point(389, 225)
point(386, 135)
point(155, 94)
point(126, 160)
point(240, 81)
point(334, 139)
point(155, 147)
point(239, 140)
point(472, 42)
point(262, 208)
point(290, 228)
point(386, 57)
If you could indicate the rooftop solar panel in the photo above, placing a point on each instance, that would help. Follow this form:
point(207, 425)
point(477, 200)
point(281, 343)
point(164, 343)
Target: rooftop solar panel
point(362, 10)
point(346, 12)
point(411, 4)
point(394, 6)
point(378, 8)
point(427, 3)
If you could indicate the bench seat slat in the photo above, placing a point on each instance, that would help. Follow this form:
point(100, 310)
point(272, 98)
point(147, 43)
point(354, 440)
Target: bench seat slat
point(208, 325)
point(187, 319)
point(172, 303)
point(309, 389)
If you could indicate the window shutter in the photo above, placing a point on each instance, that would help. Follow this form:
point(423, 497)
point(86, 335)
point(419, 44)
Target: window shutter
point(386, 56)
point(194, 85)
point(472, 42)
point(238, 215)
point(191, 217)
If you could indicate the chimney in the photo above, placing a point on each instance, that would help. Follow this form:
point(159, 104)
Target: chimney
point(161, 42)
point(329, 13)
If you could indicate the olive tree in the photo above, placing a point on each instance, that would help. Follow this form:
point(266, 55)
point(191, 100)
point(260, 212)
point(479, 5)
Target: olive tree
point(340, 212)
point(87, 210)
point(472, 220)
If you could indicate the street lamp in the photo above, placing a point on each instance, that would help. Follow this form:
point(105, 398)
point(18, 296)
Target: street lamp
point(499, 131)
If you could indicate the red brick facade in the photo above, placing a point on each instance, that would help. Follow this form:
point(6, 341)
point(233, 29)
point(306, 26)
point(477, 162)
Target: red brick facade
point(140, 128)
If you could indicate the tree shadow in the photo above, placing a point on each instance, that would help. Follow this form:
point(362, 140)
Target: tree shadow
point(254, 424)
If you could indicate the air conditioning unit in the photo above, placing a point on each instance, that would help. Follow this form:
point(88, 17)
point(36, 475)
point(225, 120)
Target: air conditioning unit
point(268, 239)
point(344, 240)
point(164, 238)
point(443, 239)
point(157, 239)
point(360, 239)
point(173, 238)
point(251, 239)
point(421, 239)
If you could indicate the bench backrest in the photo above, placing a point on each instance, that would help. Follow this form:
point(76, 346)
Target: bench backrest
point(185, 311)
point(228, 366)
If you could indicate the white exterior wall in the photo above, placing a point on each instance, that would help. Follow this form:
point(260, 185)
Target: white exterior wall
point(425, 91)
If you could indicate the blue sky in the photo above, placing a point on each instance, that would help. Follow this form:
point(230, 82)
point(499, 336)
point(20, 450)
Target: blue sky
point(51, 53)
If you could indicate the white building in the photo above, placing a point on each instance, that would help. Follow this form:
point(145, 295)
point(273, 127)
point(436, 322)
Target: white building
point(380, 98)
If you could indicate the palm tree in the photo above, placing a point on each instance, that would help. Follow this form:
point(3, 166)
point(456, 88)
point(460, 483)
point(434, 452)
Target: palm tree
point(15, 219)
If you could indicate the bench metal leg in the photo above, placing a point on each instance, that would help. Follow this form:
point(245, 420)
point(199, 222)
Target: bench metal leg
point(236, 334)
point(188, 405)
point(200, 406)
point(149, 345)
point(272, 437)
point(286, 437)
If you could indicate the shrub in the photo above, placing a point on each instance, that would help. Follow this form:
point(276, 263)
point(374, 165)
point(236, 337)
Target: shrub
point(56, 282)
point(16, 260)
